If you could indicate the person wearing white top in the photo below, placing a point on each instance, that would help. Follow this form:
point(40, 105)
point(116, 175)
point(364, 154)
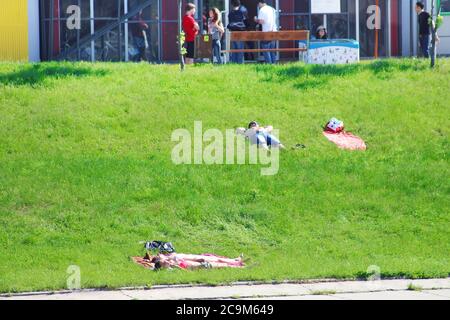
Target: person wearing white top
point(262, 137)
point(267, 19)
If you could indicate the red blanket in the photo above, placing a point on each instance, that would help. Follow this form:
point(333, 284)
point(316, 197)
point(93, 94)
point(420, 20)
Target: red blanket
point(345, 140)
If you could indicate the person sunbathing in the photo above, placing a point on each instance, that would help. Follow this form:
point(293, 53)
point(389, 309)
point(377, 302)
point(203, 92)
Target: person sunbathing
point(207, 258)
point(261, 136)
point(191, 261)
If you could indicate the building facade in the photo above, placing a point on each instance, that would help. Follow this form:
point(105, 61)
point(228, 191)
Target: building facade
point(19, 30)
point(102, 30)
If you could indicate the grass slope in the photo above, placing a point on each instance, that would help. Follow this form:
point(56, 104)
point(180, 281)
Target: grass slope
point(86, 173)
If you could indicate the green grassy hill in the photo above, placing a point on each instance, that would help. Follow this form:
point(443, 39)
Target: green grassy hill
point(86, 172)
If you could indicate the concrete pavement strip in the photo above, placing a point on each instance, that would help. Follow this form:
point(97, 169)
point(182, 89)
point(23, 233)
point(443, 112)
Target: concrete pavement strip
point(422, 289)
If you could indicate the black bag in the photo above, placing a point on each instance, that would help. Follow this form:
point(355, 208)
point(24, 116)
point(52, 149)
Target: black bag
point(162, 247)
point(237, 26)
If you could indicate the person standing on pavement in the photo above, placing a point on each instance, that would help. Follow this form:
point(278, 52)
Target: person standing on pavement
point(237, 18)
point(267, 19)
point(190, 28)
point(215, 28)
point(424, 29)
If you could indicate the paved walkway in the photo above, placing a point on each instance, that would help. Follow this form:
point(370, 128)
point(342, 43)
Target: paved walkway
point(427, 289)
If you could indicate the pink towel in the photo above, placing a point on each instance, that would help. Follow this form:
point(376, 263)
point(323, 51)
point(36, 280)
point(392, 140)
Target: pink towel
point(345, 140)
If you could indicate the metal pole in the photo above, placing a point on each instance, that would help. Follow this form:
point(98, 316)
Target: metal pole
point(51, 31)
point(78, 37)
point(43, 33)
point(119, 29)
point(357, 20)
point(125, 11)
point(348, 22)
point(180, 28)
point(227, 32)
point(91, 16)
point(377, 16)
point(159, 24)
point(277, 18)
point(389, 27)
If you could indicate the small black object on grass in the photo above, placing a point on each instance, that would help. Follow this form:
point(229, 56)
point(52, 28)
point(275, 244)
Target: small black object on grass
point(299, 146)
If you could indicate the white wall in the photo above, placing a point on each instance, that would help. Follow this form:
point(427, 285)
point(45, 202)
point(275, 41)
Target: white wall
point(444, 35)
point(33, 31)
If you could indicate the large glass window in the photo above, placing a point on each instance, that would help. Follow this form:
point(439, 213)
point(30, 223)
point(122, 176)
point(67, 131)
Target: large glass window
point(373, 29)
point(370, 25)
point(57, 35)
point(115, 42)
point(296, 15)
point(143, 33)
point(151, 35)
point(337, 24)
point(445, 7)
point(108, 47)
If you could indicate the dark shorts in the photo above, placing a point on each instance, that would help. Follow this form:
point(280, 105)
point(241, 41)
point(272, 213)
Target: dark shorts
point(190, 46)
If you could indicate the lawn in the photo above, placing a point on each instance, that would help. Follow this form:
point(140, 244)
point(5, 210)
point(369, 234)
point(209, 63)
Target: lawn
point(86, 172)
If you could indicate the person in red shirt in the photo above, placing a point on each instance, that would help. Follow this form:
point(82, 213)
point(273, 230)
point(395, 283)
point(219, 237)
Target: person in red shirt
point(190, 28)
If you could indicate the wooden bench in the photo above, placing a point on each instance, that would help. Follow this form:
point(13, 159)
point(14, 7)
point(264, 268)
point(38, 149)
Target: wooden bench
point(250, 36)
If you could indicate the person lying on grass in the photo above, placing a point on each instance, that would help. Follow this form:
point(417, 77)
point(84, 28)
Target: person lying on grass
point(261, 136)
point(192, 261)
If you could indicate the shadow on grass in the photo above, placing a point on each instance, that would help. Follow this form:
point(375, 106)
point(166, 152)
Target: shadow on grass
point(315, 76)
point(36, 74)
